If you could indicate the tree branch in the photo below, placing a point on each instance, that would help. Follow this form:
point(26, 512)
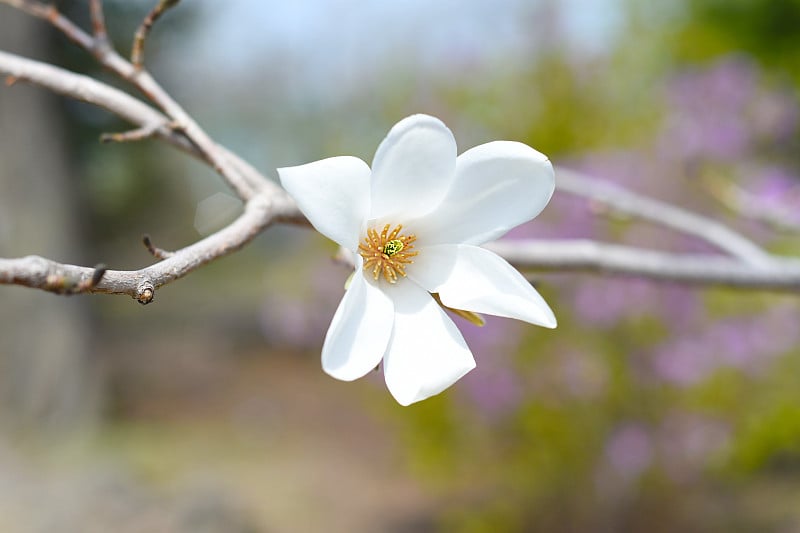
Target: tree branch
point(746, 204)
point(674, 217)
point(91, 91)
point(592, 256)
point(98, 21)
point(145, 83)
point(137, 52)
point(40, 273)
point(748, 267)
point(130, 109)
point(50, 13)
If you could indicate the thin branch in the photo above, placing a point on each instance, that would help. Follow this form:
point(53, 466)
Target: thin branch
point(243, 187)
point(746, 204)
point(89, 90)
point(155, 251)
point(592, 256)
point(266, 203)
point(623, 200)
point(137, 52)
point(50, 13)
point(133, 110)
point(139, 134)
point(98, 21)
point(145, 83)
point(40, 273)
point(97, 277)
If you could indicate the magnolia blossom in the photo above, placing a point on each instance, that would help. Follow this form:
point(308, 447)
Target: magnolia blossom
point(414, 223)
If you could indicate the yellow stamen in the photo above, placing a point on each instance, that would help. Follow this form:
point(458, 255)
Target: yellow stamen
point(386, 253)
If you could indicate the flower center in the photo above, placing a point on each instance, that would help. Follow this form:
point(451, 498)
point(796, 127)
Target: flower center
point(387, 252)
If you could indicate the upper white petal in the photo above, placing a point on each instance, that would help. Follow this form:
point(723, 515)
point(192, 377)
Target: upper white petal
point(413, 167)
point(359, 332)
point(497, 186)
point(426, 353)
point(333, 194)
point(474, 279)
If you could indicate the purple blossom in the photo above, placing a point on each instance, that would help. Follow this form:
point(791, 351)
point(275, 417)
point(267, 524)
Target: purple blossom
point(629, 450)
point(705, 111)
point(719, 113)
point(687, 441)
point(745, 343)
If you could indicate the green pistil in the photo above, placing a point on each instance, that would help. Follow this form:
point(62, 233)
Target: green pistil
point(392, 247)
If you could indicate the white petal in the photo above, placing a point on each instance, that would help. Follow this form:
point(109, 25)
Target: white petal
point(359, 332)
point(412, 168)
point(333, 194)
point(474, 279)
point(426, 353)
point(496, 187)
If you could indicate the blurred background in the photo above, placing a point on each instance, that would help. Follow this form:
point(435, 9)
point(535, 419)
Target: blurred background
point(652, 407)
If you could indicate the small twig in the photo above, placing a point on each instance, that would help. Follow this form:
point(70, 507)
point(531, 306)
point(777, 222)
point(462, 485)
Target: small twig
point(62, 281)
point(137, 52)
point(139, 134)
point(746, 204)
point(244, 186)
point(86, 89)
point(155, 251)
point(621, 199)
point(50, 13)
point(97, 277)
point(98, 22)
point(45, 274)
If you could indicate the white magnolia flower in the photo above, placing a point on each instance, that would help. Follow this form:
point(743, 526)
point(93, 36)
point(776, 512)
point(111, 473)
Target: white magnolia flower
point(414, 224)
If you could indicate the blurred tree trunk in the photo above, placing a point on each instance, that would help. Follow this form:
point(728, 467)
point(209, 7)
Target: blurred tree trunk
point(46, 379)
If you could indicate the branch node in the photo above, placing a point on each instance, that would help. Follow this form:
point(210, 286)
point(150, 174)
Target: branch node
point(58, 284)
point(52, 14)
point(156, 252)
point(91, 283)
point(145, 292)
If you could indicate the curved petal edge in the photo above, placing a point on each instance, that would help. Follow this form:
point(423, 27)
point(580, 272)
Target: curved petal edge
point(426, 353)
point(359, 332)
point(333, 194)
point(413, 167)
point(475, 279)
point(497, 186)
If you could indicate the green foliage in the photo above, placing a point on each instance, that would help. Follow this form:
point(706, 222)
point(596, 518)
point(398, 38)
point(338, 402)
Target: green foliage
point(766, 29)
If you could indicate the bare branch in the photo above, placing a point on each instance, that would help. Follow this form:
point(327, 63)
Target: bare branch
point(592, 256)
point(131, 109)
point(89, 90)
point(746, 204)
point(39, 273)
point(140, 79)
point(265, 203)
point(137, 52)
point(49, 13)
point(98, 21)
point(156, 252)
point(709, 230)
point(138, 134)
point(243, 187)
